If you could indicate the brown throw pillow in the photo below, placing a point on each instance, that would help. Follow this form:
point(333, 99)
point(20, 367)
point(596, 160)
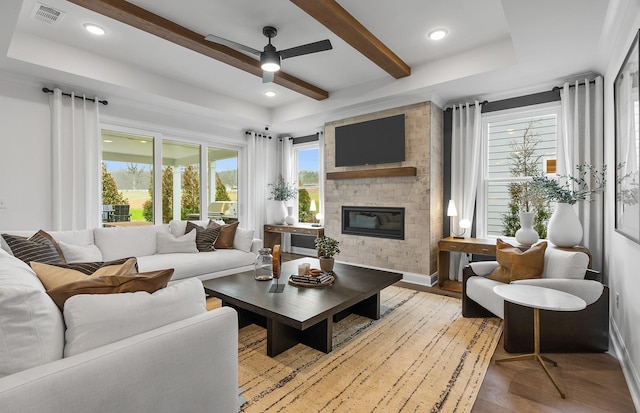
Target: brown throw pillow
point(112, 284)
point(40, 247)
point(516, 264)
point(227, 234)
point(52, 276)
point(205, 237)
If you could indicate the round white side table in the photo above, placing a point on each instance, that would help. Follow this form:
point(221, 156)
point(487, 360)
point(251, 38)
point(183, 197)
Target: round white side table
point(539, 298)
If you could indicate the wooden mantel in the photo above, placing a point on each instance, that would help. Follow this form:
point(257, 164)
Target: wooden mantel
point(374, 173)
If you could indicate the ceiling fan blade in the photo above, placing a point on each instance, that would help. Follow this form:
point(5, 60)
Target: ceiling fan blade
point(314, 47)
point(232, 44)
point(267, 77)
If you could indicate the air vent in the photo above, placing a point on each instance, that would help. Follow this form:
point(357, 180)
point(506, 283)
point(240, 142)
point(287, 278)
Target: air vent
point(46, 14)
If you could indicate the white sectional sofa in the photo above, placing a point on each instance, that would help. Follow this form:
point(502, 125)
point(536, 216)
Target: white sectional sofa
point(132, 352)
point(141, 242)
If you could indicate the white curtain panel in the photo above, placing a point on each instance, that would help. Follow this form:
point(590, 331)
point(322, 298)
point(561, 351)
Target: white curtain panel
point(257, 168)
point(321, 173)
point(75, 142)
point(582, 140)
point(289, 174)
point(465, 165)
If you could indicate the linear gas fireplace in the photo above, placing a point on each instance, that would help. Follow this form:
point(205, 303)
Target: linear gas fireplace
point(379, 222)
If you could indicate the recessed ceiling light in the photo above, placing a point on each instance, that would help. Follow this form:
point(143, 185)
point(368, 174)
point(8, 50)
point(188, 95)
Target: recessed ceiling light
point(438, 34)
point(143, 141)
point(107, 141)
point(270, 93)
point(94, 29)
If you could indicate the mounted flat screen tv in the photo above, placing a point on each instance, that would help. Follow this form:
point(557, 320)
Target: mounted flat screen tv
point(372, 142)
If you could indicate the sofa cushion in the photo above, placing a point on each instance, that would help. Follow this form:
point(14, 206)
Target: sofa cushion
point(227, 234)
point(39, 247)
point(96, 320)
point(243, 239)
point(53, 276)
point(200, 264)
point(564, 264)
point(205, 237)
point(79, 253)
point(516, 264)
point(31, 326)
point(123, 242)
point(111, 284)
point(168, 243)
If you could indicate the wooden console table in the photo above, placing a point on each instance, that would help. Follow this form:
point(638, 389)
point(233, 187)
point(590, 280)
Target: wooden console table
point(481, 246)
point(273, 232)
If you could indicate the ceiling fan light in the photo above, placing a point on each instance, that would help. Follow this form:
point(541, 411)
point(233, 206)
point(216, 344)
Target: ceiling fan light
point(270, 61)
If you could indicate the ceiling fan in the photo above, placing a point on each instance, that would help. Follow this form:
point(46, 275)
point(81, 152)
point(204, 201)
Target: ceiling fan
point(270, 57)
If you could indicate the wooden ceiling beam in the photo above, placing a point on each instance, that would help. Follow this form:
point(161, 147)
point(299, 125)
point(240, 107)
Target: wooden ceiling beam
point(144, 20)
point(342, 23)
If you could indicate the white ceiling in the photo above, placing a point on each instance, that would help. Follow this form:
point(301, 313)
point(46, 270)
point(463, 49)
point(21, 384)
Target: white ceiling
point(494, 48)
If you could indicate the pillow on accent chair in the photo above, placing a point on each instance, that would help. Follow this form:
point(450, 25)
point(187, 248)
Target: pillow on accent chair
point(168, 244)
point(227, 234)
point(52, 276)
point(111, 284)
point(40, 247)
point(516, 264)
point(96, 320)
point(205, 237)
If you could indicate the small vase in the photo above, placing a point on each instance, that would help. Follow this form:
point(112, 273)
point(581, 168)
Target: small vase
point(290, 219)
point(326, 264)
point(564, 228)
point(279, 212)
point(526, 235)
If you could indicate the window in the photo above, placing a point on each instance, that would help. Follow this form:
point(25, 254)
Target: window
point(148, 178)
point(127, 176)
point(222, 184)
point(519, 144)
point(307, 164)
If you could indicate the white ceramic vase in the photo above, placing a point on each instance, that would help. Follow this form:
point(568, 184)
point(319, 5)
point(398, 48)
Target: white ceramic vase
point(278, 212)
point(526, 235)
point(290, 219)
point(564, 228)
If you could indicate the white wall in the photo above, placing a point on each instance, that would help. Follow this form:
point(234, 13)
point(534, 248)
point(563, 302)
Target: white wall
point(621, 254)
point(25, 156)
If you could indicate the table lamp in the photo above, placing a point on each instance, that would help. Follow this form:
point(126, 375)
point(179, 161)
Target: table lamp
point(464, 223)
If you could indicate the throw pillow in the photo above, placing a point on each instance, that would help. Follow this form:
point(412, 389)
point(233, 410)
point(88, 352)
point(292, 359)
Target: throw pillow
point(79, 253)
point(31, 326)
point(227, 234)
point(96, 320)
point(516, 264)
point(52, 276)
point(205, 237)
point(111, 284)
point(243, 239)
point(168, 244)
point(40, 247)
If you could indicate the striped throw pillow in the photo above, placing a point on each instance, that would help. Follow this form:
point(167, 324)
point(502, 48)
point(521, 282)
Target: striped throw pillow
point(205, 237)
point(40, 247)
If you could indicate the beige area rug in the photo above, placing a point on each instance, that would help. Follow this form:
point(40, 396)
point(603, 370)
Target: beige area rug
point(421, 356)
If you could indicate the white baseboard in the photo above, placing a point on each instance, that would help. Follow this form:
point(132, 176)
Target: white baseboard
point(628, 369)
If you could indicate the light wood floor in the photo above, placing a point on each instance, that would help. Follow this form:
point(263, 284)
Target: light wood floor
point(592, 382)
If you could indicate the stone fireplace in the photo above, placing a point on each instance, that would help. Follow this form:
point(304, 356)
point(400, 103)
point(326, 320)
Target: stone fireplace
point(414, 186)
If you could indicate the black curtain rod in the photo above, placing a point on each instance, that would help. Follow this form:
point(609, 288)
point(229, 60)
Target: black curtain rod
point(556, 88)
point(259, 135)
point(47, 90)
point(484, 102)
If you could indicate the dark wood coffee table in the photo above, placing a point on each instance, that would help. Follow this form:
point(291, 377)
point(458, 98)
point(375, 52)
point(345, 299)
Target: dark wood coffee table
point(302, 314)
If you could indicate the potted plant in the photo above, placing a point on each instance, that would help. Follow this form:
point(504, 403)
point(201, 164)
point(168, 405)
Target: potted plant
point(565, 229)
point(281, 191)
point(327, 248)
